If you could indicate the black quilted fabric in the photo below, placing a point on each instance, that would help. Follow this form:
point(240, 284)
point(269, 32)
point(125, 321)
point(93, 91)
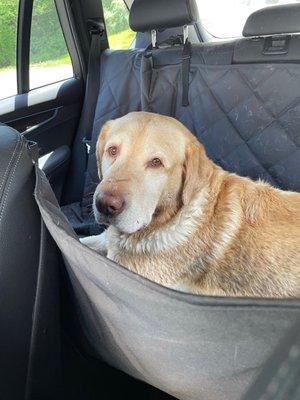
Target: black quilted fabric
point(247, 116)
point(118, 95)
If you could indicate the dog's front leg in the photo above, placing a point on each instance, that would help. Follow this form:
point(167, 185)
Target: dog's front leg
point(97, 243)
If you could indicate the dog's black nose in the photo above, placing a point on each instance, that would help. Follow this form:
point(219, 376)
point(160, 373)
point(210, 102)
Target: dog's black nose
point(110, 204)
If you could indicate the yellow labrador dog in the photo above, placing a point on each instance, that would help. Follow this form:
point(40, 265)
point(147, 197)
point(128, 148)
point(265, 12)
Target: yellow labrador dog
point(178, 219)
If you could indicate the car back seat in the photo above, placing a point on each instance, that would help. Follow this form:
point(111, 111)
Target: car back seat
point(246, 115)
point(190, 346)
point(244, 103)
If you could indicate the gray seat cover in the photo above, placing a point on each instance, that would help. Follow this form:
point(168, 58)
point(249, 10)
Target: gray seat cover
point(248, 118)
point(193, 347)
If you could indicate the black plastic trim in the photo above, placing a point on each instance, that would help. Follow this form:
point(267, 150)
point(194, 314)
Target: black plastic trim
point(71, 38)
point(23, 45)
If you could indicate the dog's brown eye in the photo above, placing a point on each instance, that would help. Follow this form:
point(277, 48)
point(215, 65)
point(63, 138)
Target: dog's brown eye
point(156, 162)
point(112, 151)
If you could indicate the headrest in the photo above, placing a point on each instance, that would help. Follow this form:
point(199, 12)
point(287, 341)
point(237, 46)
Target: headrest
point(273, 20)
point(146, 15)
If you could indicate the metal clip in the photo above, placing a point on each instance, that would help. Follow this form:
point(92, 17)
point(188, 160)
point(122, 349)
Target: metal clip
point(87, 144)
point(185, 33)
point(153, 37)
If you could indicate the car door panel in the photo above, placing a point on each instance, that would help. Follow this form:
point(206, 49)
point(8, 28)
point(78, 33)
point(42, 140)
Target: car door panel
point(47, 115)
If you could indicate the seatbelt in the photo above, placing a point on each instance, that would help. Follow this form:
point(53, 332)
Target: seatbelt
point(98, 42)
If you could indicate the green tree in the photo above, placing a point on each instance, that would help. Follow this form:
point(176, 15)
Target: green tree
point(116, 16)
point(47, 41)
point(8, 32)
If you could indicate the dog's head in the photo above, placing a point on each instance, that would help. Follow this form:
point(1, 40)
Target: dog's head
point(149, 165)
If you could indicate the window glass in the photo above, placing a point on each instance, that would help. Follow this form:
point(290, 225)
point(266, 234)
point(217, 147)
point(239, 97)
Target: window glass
point(116, 14)
point(49, 58)
point(8, 39)
point(226, 18)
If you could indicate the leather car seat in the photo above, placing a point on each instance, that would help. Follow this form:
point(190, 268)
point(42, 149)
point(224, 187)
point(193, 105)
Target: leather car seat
point(20, 226)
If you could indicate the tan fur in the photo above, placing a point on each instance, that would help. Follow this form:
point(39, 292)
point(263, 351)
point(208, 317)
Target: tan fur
point(245, 239)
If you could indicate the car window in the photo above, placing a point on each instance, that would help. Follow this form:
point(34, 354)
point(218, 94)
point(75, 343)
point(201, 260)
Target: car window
point(49, 58)
point(8, 40)
point(116, 15)
point(226, 19)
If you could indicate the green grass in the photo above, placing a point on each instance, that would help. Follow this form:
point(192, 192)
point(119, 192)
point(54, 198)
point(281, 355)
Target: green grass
point(120, 40)
point(64, 60)
point(3, 69)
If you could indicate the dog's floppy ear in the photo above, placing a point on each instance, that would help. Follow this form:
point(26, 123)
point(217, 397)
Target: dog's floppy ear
point(100, 145)
point(195, 168)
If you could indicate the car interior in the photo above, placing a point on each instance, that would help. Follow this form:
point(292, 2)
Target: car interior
point(241, 98)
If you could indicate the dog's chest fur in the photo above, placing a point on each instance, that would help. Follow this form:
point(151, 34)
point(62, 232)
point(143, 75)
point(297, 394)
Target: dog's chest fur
point(179, 254)
point(212, 249)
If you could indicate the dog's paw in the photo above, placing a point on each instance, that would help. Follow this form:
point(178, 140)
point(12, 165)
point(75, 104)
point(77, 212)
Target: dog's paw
point(86, 240)
point(97, 243)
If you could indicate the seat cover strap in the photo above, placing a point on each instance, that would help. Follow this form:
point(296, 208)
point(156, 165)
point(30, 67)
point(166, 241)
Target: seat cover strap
point(185, 72)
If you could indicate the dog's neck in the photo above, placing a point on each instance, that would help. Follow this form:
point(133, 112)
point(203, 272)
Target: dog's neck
point(168, 229)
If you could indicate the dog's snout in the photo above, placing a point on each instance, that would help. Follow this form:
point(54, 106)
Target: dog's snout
point(110, 204)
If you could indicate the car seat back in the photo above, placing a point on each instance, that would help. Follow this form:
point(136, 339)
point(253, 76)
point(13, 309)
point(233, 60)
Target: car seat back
point(29, 336)
point(246, 115)
point(243, 100)
point(20, 224)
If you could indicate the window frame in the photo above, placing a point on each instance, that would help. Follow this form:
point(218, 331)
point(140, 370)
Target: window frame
point(23, 43)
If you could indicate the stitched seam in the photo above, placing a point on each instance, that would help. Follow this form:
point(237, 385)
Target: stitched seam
point(273, 116)
point(227, 117)
point(262, 80)
point(9, 185)
point(9, 163)
point(257, 96)
point(279, 162)
point(244, 142)
point(112, 110)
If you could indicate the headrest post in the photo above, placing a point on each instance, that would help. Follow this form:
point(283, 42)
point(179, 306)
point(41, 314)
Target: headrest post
point(185, 33)
point(153, 37)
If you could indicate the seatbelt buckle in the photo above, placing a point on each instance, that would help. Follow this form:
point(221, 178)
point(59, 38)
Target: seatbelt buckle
point(87, 143)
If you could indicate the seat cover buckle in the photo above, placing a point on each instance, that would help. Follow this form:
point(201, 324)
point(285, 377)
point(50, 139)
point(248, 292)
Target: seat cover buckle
point(276, 45)
point(87, 143)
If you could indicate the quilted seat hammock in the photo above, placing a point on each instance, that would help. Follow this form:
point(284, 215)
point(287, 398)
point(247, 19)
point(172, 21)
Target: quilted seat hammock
point(192, 347)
